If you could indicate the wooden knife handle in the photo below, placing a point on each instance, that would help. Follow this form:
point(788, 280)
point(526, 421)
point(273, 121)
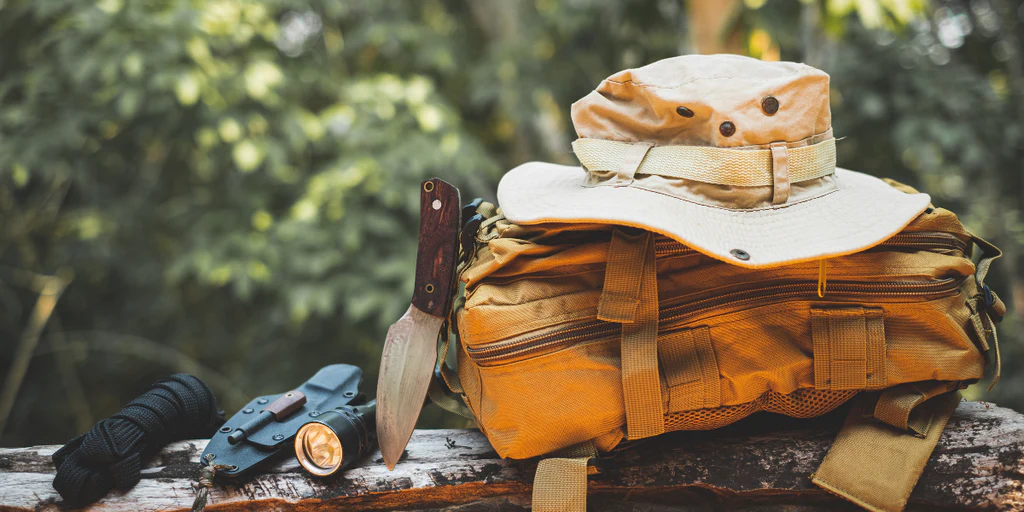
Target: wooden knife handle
point(440, 213)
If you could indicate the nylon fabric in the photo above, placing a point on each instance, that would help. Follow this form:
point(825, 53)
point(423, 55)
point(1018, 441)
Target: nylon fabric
point(849, 348)
point(691, 371)
point(541, 370)
point(876, 466)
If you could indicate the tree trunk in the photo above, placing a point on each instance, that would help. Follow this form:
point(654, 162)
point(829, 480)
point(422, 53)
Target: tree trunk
point(759, 464)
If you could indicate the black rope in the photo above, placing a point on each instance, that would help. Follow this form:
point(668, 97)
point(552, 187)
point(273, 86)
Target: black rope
point(109, 455)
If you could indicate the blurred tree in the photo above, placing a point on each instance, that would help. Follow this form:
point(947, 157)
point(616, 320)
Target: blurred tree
point(234, 183)
point(929, 94)
point(228, 183)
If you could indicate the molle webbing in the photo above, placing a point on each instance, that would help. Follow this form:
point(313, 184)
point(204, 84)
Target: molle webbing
point(849, 348)
point(630, 297)
point(691, 371)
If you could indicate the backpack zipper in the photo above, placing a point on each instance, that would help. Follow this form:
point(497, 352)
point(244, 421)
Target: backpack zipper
point(673, 317)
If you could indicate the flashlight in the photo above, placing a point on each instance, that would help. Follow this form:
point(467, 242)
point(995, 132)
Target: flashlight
point(336, 438)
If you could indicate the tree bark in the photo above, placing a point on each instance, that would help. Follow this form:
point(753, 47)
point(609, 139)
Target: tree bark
point(763, 463)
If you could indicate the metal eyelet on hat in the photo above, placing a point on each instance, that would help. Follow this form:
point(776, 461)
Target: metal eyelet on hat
point(683, 111)
point(727, 129)
point(740, 254)
point(770, 105)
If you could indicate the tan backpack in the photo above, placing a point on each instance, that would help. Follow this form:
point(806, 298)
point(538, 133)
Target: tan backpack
point(782, 283)
point(573, 338)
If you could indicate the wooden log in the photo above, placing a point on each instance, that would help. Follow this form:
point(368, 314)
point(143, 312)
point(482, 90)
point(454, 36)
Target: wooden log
point(763, 463)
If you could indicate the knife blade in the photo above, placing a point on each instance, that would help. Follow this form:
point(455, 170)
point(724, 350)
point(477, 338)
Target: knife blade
point(410, 349)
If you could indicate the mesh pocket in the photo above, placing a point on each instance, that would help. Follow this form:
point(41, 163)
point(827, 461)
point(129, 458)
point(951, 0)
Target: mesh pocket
point(803, 403)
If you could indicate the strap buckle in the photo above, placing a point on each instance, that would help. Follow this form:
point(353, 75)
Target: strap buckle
point(990, 301)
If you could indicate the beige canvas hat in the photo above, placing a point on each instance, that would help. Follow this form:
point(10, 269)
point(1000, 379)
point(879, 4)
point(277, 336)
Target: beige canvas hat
point(729, 155)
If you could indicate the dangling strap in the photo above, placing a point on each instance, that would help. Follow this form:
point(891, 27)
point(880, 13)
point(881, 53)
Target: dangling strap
point(560, 484)
point(445, 388)
point(898, 405)
point(876, 466)
point(630, 297)
point(448, 399)
point(989, 253)
point(986, 307)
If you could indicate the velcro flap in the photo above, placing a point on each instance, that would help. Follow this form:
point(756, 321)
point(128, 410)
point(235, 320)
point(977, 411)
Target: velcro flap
point(876, 466)
point(691, 370)
point(849, 348)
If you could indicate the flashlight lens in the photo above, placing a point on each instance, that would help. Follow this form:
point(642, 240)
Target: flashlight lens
point(318, 449)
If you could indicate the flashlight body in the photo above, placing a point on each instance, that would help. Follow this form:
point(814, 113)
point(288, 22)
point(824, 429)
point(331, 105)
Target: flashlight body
point(359, 436)
point(355, 428)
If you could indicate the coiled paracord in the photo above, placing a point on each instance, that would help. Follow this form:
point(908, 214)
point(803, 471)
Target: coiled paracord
point(109, 455)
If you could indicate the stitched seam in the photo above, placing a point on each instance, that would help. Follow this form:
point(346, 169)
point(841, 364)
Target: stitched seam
point(780, 207)
point(835, 489)
point(701, 78)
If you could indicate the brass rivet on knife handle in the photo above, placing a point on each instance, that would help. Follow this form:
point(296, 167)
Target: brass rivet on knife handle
point(440, 214)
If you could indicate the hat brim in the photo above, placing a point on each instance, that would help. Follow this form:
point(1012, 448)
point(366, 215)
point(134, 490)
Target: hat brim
point(862, 213)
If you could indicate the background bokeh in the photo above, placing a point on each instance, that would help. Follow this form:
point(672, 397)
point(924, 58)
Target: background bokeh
point(230, 187)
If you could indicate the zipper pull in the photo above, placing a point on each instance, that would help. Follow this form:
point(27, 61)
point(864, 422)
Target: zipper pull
point(822, 277)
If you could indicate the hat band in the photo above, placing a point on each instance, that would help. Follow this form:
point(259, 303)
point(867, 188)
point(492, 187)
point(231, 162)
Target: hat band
point(706, 164)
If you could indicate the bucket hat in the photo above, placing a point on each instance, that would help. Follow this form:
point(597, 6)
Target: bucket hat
point(729, 155)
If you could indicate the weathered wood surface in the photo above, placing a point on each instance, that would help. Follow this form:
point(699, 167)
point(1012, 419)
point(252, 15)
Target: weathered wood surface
point(760, 464)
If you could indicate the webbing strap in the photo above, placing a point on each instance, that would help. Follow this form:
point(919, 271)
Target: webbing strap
point(448, 401)
point(560, 484)
point(984, 328)
point(989, 253)
point(898, 405)
point(877, 466)
point(620, 295)
point(849, 348)
point(780, 173)
point(706, 164)
point(446, 392)
point(987, 305)
point(630, 297)
point(691, 370)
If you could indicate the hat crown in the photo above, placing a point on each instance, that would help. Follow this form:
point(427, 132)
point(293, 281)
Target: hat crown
point(707, 100)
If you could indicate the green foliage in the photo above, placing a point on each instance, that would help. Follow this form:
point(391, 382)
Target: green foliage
point(934, 107)
point(234, 182)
